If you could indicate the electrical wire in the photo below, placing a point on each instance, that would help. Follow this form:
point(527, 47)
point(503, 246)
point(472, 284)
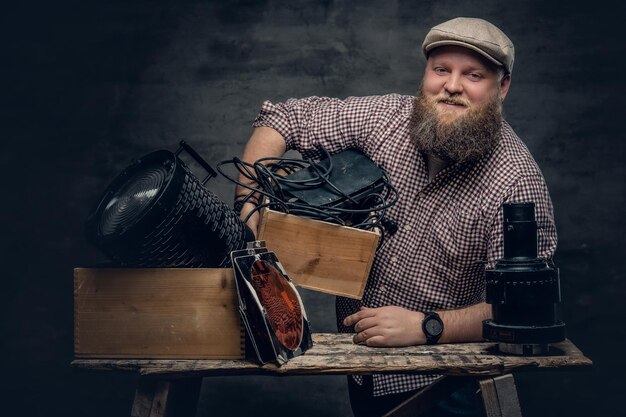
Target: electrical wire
point(271, 176)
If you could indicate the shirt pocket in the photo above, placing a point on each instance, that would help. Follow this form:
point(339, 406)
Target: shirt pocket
point(459, 235)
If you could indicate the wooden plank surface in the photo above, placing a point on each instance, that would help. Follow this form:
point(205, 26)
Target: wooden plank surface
point(318, 255)
point(150, 398)
point(156, 313)
point(499, 396)
point(336, 354)
point(162, 398)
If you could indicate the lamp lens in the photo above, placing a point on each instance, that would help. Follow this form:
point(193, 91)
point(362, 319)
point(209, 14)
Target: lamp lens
point(131, 200)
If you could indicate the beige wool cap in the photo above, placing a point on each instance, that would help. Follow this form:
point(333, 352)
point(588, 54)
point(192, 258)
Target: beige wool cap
point(476, 34)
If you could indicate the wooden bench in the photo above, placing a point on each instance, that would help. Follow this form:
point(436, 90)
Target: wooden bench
point(171, 387)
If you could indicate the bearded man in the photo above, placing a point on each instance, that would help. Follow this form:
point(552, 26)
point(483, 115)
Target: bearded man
point(454, 161)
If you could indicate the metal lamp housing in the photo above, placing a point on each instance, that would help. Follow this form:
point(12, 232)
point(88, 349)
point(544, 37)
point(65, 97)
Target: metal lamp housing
point(156, 213)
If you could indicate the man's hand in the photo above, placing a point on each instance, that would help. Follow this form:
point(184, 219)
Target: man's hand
point(387, 326)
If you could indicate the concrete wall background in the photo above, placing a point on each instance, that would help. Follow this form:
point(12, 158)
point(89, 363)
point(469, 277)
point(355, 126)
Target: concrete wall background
point(86, 86)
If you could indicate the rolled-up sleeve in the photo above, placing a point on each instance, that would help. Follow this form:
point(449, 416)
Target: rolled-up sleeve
point(528, 188)
point(335, 124)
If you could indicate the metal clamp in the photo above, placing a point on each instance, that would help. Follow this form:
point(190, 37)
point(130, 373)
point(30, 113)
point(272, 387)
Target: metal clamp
point(195, 155)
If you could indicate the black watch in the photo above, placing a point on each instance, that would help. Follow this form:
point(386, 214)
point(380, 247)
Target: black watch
point(432, 326)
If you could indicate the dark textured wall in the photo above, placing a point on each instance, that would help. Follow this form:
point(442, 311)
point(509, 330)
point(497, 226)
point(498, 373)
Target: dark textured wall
point(86, 86)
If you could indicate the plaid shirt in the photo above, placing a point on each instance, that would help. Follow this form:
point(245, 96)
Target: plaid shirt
point(450, 228)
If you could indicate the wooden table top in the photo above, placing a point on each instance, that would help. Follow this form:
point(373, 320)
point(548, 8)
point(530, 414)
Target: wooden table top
point(336, 354)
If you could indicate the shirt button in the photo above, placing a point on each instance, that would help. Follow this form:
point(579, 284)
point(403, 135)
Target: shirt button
point(394, 259)
point(407, 227)
point(382, 289)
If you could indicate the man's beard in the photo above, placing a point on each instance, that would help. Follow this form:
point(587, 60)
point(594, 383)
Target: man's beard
point(467, 137)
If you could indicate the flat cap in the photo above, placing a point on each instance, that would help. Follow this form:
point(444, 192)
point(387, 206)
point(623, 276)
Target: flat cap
point(475, 34)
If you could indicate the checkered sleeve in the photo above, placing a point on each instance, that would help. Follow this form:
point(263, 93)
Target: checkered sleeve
point(528, 188)
point(336, 124)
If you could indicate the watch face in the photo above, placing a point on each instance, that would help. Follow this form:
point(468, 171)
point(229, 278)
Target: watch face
point(433, 327)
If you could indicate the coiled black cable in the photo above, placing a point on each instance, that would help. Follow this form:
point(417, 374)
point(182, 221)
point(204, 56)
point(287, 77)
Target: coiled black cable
point(271, 177)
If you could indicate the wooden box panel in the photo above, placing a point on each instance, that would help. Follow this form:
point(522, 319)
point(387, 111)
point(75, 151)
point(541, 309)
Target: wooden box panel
point(156, 313)
point(318, 255)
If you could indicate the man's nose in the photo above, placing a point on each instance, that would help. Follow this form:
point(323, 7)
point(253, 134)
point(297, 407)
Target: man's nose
point(453, 84)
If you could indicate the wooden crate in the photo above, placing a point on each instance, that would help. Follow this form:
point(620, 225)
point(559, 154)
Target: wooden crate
point(156, 313)
point(319, 255)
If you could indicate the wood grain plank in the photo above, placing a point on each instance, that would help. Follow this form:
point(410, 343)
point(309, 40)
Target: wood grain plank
point(150, 398)
point(319, 255)
point(165, 398)
point(156, 313)
point(507, 396)
point(489, 396)
point(336, 354)
point(499, 396)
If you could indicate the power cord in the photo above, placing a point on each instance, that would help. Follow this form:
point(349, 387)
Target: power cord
point(271, 175)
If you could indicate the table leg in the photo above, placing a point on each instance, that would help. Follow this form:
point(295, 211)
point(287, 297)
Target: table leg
point(500, 396)
point(163, 398)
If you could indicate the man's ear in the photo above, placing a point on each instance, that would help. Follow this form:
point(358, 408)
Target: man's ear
point(504, 86)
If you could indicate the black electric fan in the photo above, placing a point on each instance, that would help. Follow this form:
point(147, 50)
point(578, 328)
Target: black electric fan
point(157, 213)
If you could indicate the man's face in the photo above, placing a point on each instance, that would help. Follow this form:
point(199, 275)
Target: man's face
point(457, 79)
point(458, 113)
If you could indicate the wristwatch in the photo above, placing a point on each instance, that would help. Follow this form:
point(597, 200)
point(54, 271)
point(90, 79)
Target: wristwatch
point(432, 326)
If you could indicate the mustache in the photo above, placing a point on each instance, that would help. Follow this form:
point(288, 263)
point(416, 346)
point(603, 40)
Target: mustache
point(452, 99)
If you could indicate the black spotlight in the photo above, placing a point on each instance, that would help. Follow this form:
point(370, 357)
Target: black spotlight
point(156, 213)
point(522, 289)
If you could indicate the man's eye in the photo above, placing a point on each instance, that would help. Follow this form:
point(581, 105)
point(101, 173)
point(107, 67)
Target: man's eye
point(474, 76)
point(440, 70)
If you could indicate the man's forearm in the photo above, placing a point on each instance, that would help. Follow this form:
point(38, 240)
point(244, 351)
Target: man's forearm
point(264, 142)
point(397, 326)
point(464, 324)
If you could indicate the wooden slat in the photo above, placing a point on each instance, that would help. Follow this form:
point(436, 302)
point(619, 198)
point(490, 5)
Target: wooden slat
point(318, 255)
point(500, 396)
point(150, 398)
point(156, 313)
point(161, 398)
point(336, 354)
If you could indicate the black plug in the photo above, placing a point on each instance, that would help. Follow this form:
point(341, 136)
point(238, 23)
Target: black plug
point(389, 225)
